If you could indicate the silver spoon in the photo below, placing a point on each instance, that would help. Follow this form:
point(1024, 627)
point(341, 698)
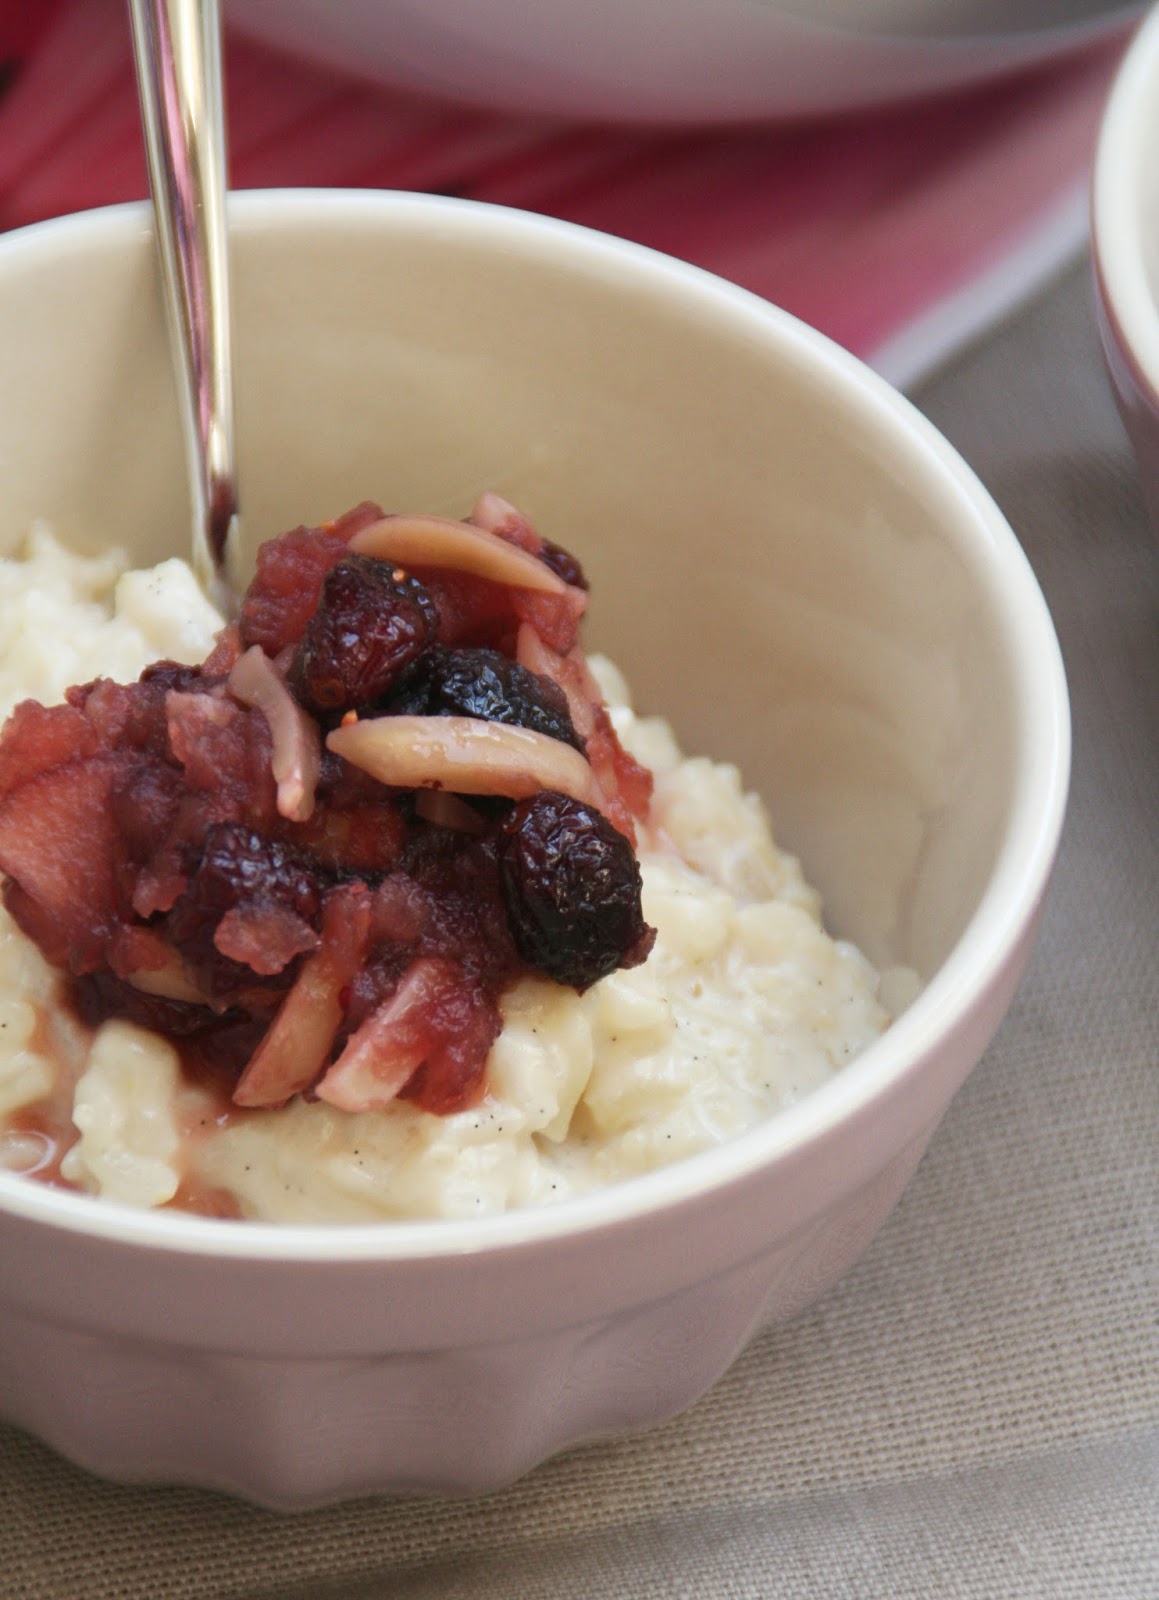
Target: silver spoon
point(177, 44)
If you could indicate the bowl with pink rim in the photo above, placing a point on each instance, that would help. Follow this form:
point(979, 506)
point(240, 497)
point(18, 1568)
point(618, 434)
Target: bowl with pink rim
point(683, 61)
point(1125, 241)
point(791, 564)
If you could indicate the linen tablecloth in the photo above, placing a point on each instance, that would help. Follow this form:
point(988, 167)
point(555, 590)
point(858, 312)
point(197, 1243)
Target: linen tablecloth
point(974, 1411)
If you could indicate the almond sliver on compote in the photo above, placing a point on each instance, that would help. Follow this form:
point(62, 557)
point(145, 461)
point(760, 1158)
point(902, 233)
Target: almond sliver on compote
point(297, 756)
point(465, 755)
point(423, 541)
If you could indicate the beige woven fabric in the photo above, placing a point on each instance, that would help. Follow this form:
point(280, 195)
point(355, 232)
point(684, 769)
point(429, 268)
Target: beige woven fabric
point(974, 1411)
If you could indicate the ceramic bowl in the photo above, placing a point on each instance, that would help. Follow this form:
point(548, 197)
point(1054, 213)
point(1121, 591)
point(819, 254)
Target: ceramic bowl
point(791, 563)
point(1125, 235)
point(681, 61)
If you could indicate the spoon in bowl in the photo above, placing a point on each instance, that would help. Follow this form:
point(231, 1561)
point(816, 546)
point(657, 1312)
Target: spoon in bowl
point(177, 47)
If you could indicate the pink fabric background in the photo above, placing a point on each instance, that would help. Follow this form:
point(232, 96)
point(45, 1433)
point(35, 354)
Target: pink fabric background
point(859, 225)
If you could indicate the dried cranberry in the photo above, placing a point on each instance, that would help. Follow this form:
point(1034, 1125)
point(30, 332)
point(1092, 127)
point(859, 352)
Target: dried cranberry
point(563, 564)
point(370, 626)
point(147, 726)
point(166, 675)
point(490, 686)
point(571, 886)
point(237, 867)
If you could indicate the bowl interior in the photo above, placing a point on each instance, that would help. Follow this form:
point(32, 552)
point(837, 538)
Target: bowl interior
point(779, 559)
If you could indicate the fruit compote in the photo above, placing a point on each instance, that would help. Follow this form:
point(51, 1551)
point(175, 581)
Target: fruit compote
point(318, 860)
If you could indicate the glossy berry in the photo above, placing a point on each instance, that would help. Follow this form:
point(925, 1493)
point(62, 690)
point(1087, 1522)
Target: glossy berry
point(167, 675)
point(563, 564)
point(571, 887)
point(237, 867)
point(371, 625)
point(490, 686)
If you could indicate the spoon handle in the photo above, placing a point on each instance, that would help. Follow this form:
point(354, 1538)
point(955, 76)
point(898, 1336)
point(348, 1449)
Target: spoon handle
point(177, 44)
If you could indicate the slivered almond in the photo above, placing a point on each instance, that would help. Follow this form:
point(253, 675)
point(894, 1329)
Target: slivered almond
point(440, 542)
point(169, 982)
point(297, 757)
point(465, 755)
point(378, 1059)
point(589, 719)
point(531, 652)
point(296, 1047)
point(500, 517)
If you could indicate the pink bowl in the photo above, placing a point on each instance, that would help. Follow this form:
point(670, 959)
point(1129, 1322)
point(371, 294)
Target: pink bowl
point(870, 645)
point(1125, 226)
